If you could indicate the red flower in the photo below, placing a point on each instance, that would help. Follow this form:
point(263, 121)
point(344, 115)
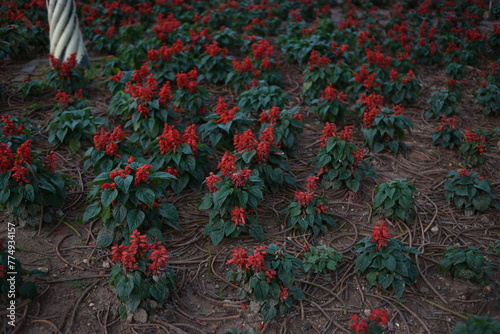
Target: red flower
point(6, 158)
point(211, 180)
point(170, 139)
point(315, 60)
point(347, 133)
point(238, 216)
point(20, 173)
point(173, 171)
point(379, 316)
point(284, 293)
point(304, 197)
point(240, 178)
point(358, 326)
point(165, 93)
point(190, 138)
point(312, 183)
point(245, 141)
point(224, 114)
point(262, 49)
point(24, 153)
point(328, 131)
point(2, 271)
point(227, 164)
point(380, 235)
point(10, 128)
point(51, 161)
point(142, 174)
point(240, 258)
point(158, 258)
point(143, 111)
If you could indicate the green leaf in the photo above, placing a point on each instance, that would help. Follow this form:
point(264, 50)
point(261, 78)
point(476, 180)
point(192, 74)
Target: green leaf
point(399, 287)
point(135, 218)
point(124, 183)
point(91, 211)
point(108, 196)
point(146, 196)
point(169, 211)
point(269, 312)
point(260, 289)
point(481, 202)
point(385, 279)
point(158, 291)
point(104, 238)
point(217, 236)
point(28, 192)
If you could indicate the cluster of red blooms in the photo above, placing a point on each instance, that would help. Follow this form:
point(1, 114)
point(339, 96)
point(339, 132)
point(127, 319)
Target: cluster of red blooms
point(308, 31)
point(141, 174)
point(266, 141)
point(316, 61)
point(272, 116)
point(215, 50)
point(195, 36)
point(144, 88)
point(361, 326)
point(262, 49)
point(364, 37)
point(108, 141)
point(139, 250)
point(224, 114)
point(399, 32)
point(171, 139)
point(377, 58)
point(471, 136)
point(350, 22)
point(380, 235)
point(304, 198)
point(451, 83)
point(188, 81)
point(246, 66)
point(211, 180)
point(339, 50)
point(328, 131)
point(245, 141)
point(64, 67)
point(16, 162)
point(331, 94)
point(372, 103)
point(165, 52)
point(64, 98)
point(366, 78)
point(358, 158)
point(165, 26)
point(240, 178)
point(472, 35)
point(255, 262)
point(238, 215)
point(227, 164)
point(447, 123)
point(9, 127)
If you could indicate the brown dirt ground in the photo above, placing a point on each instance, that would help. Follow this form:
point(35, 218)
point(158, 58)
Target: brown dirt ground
point(76, 296)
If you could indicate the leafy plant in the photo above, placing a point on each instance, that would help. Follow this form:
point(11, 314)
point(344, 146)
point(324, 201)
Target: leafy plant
point(477, 324)
point(316, 76)
point(233, 194)
point(387, 129)
point(221, 126)
point(30, 186)
point(468, 191)
point(339, 161)
point(384, 261)
point(446, 134)
point(321, 259)
point(466, 264)
point(331, 106)
point(443, 102)
point(455, 70)
point(244, 75)
point(402, 89)
point(309, 211)
point(395, 199)
point(267, 274)
point(140, 273)
point(72, 126)
point(376, 323)
point(488, 98)
point(66, 76)
point(190, 99)
point(130, 198)
point(262, 97)
point(214, 64)
point(473, 148)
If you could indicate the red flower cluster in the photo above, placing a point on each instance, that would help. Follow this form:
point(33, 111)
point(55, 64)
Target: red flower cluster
point(108, 141)
point(262, 49)
point(272, 116)
point(240, 178)
point(312, 183)
point(64, 67)
point(9, 127)
point(51, 161)
point(372, 104)
point(63, 98)
point(471, 136)
point(361, 326)
point(366, 79)
point(211, 180)
point(142, 174)
point(266, 141)
point(380, 235)
point(165, 26)
point(447, 123)
point(188, 81)
point(377, 58)
point(331, 94)
point(316, 61)
point(255, 262)
point(138, 250)
point(246, 66)
point(245, 141)
point(304, 197)
point(215, 50)
point(224, 114)
point(347, 133)
point(227, 164)
point(339, 50)
point(328, 131)
point(238, 216)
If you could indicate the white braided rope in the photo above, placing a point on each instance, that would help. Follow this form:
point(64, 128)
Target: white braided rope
point(65, 35)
